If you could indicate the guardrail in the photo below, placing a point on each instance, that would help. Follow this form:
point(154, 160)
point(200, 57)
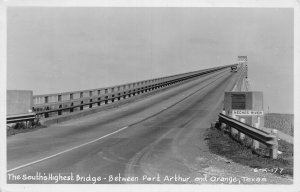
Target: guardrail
point(270, 140)
point(20, 118)
point(56, 104)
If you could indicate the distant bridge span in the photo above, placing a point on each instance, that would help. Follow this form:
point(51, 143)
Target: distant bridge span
point(57, 107)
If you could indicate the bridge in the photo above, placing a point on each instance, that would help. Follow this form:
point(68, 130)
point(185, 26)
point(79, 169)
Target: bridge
point(152, 131)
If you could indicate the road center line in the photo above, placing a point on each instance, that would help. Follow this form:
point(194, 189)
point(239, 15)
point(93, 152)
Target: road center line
point(65, 151)
point(78, 146)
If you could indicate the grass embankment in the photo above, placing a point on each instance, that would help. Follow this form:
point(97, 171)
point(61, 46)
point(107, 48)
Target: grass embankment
point(228, 146)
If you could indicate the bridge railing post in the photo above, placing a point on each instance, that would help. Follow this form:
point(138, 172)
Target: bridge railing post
point(255, 144)
point(232, 130)
point(223, 125)
point(242, 135)
point(59, 112)
point(99, 101)
point(81, 106)
point(274, 149)
point(71, 107)
point(71, 98)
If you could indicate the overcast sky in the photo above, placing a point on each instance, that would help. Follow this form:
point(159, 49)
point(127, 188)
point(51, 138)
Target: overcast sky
point(65, 49)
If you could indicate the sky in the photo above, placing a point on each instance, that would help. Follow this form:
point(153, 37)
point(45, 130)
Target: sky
point(59, 49)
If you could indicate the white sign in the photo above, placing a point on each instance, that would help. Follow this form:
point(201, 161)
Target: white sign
point(247, 112)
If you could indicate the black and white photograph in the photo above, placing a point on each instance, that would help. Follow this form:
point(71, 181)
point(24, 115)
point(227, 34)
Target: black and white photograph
point(161, 95)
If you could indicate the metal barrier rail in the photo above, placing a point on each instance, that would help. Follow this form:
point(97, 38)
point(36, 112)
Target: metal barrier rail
point(20, 118)
point(59, 102)
point(270, 140)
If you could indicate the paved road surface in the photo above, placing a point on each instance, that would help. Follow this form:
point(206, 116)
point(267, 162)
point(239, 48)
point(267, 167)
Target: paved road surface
point(159, 139)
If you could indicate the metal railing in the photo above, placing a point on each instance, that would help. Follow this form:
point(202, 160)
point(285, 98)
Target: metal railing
point(56, 104)
point(20, 118)
point(268, 139)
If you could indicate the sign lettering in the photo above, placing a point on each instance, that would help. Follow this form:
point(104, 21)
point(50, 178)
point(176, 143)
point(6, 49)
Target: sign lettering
point(247, 112)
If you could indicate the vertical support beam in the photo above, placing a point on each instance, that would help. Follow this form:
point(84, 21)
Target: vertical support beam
point(112, 98)
point(232, 130)
point(255, 144)
point(71, 98)
point(81, 96)
point(223, 125)
point(91, 104)
point(71, 109)
point(81, 106)
point(46, 115)
point(91, 100)
point(242, 135)
point(59, 112)
point(274, 148)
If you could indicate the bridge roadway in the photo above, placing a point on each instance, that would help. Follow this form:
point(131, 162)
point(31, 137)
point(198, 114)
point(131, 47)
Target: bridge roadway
point(162, 134)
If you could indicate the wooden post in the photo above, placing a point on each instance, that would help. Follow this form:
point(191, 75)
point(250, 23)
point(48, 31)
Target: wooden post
point(255, 144)
point(223, 125)
point(242, 135)
point(232, 130)
point(274, 148)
